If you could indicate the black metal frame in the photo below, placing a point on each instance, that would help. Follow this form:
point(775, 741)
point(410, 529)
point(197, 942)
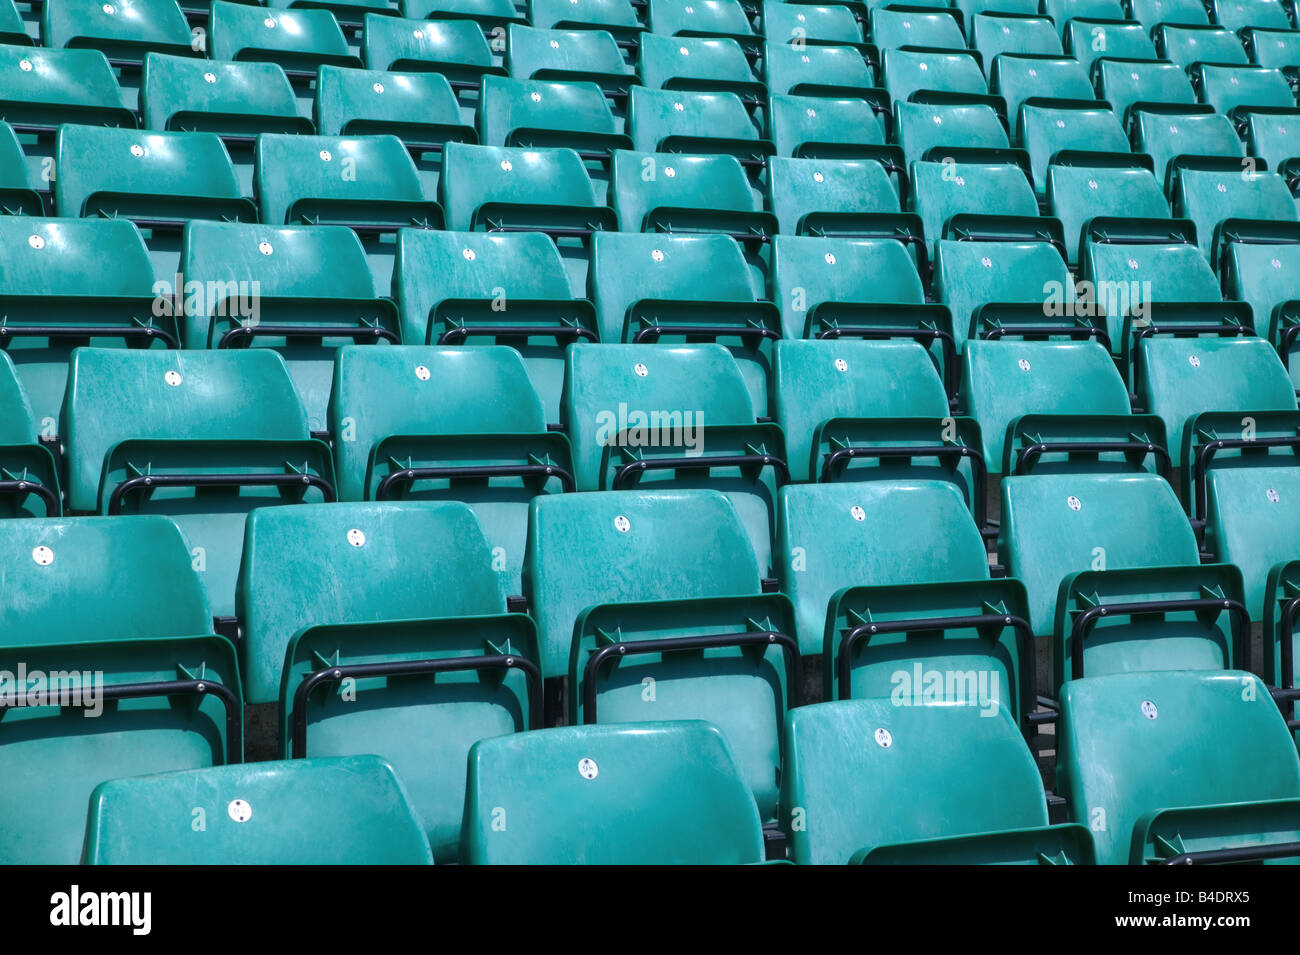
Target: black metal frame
point(979, 471)
point(623, 477)
point(1087, 619)
point(1073, 332)
point(653, 333)
point(1286, 691)
point(124, 332)
point(454, 336)
point(788, 645)
point(1205, 452)
point(21, 489)
point(1280, 850)
point(235, 337)
point(922, 336)
point(1031, 453)
point(410, 475)
point(149, 481)
point(336, 674)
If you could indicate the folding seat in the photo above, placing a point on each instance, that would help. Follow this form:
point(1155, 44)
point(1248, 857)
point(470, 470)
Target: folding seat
point(113, 622)
point(418, 108)
point(1237, 15)
point(930, 29)
point(29, 480)
point(858, 288)
point(300, 290)
point(488, 14)
point(72, 282)
point(615, 17)
point(122, 33)
point(1082, 187)
point(819, 126)
point(173, 432)
point(1039, 80)
point(1188, 45)
point(590, 55)
point(707, 18)
point(664, 583)
point(1237, 90)
point(970, 8)
point(1130, 84)
point(1152, 13)
point(903, 555)
point(367, 183)
point(838, 197)
point(259, 814)
point(832, 25)
point(508, 189)
point(903, 781)
point(1266, 276)
point(936, 131)
point(677, 121)
point(1170, 138)
point(1279, 49)
point(13, 29)
point(454, 48)
point(1091, 41)
point(1273, 136)
point(935, 76)
point(18, 193)
point(815, 70)
point(657, 288)
point(1076, 130)
point(1139, 763)
point(1229, 202)
point(302, 641)
point(652, 794)
point(698, 64)
point(994, 34)
point(299, 40)
point(1061, 12)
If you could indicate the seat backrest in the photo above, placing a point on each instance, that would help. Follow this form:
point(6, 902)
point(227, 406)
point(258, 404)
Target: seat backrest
point(299, 39)
point(1150, 13)
point(1264, 276)
point(649, 793)
point(942, 190)
point(259, 814)
point(996, 33)
point(59, 86)
point(926, 126)
point(928, 28)
point(1090, 41)
point(683, 62)
point(16, 423)
point(1237, 14)
point(455, 48)
point(1079, 193)
point(867, 773)
point(823, 545)
point(1227, 88)
point(1019, 78)
point(1165, 135)
point(1046, 130)
point(1252, 522)
point(595, 13)
point(707, 18)
point(120, 32)
point(815, 125)
point(1210, 196)
point(475, 176)
point(800, 188)
point(1124, 83)
point(970, 276)
point(416, 107)
point(645, 182)
point(1131, 744)
point(814, 70)
point(510, 110)
point(909, 71)
point(833, 23)
point(531, 54)
point(1056, 524)
point(1186, 45)
point(182, 93)
point(655, 118)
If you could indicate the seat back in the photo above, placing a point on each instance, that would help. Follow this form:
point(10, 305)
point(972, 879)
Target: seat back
point(299, 40)
point(182, 93)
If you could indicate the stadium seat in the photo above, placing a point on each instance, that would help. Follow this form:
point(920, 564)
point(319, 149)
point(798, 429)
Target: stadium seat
point(1167, 136)
point(1039, 80)
point(977, 200)
point(113, 611)
point(1264, 276)
point(830, 25)
point(122, 33)
point(1127, 84)
point(994, 34)
point(173, 432)
point(1274, 137)
point(1188, 45)
point(699, 64)
point(969, 8)
point(1152, 13)
point(1279, 49)
point(29, 480)
point(939, 131)
point(13, 29)
point(259, 814)
point(1092, 42)
point(71, 282)
point(935, 76)
point(834, 71)
point(636, 586)
point(1047, 131)
point(706, 18)
point(488, 14)
point(804, 126)
point(587, 55)
point(1062, 12)
point(679, 121)
point(1236, 15)
point(1138, 766)
point(454, 48)
point(1239, 90)
point(836, 197)
point(651, 794)
point(616, 17)
point(931, 29)
point(1229, 202)
point(876, 782)
point(302, 642)
point(1081, 188)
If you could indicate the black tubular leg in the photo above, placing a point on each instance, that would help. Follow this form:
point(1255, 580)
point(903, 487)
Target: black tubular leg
point(244, 334)
point(146, 481)
point(623, 477)
point(454, 336)
point(1027, 457)
point(359, 671)
point(124, 332)
point(598, 658)
point(654, 332)
point(406, 476)
point(21, 489)
point(979, 493)
point(1280, 850)
point(1088, 619)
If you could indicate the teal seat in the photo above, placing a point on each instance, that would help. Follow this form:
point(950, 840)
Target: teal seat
point(836, 197)
point(650, 794)
point(680, 121)
point(934, 29)
point(821, 126)
point(13, 29)
point(993, 34)
point(29, 480)
point(122, 32)
point(1186, 45)
point(1167, 136)
point(1264, 276)
point(584, 55)
point(1085, 188)
point(1139, 766)
point(367, 183)
point(131, 577)
point(159, 180)
point(461, 424)
point(300, 40)
point(1112, 570)
point(829, 25)
point(173, 432)
point(1236, 15)
point(700, 64)
point(616, 17)
point(1272, 137)
point(709, 18)
point(1250, 521)
point(932, 76)
point(300, 290)
point(455, 48)
point(1037, 80)
point(867, 562)
point(821, 71)
point(941, 130)
point(512, 189)
point(652, 603)
point(1278, 49)
point(236, 100)
point(358, 800)
point(452, 290)
point(1091, 42)
point(1151, 13)
point(486, 13)
point(1242, 89)
point(18, 184)
point(1055, 397)
point(981, 201)
point(72, 282)
point(1229, 206)
point(397, 665)
point(1048, 131)
point(905, 782)
point(1063, 11)
point(1128, 84)
point(969, 8)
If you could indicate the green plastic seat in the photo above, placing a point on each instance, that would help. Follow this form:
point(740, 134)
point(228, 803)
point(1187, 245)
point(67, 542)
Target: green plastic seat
point(1278, 49)
point(616, 17)
point(173, 432)
point(1080, 192)
point(941, 130)
point(934, 29)
point(29, 481)
point(1062, 12)
point(349, 12)
point(455, 48)
point(830, 25)
point(969, 8)
point(1151, 13)
point(820, 126)
point(122, 32)
point(844, 197)
point(1250, 522)
point(709, 18)
point(1139, 766)
point(238, 100)
point(1048, 131)
point(1263, 275)
point(459, 668)
point(1273, 137)
point(1229, 205)
point(589, 55)
point(901, 781)
point(299, 40)
point(486, 13)
point(934, 76)
point(1234, 90)
point(1187, 45)
point(1236, 15)
point(13, 29)
point(543, 113)
point(668, 580)
point(679, 121)
point(993, 34)
point(482, 440)
point(1092, 41)
point(696, 63)
point(358, 800)
point(72, 282)
point(815, 70)
point(986, 200)
point(1167, 136)
point(654, 793)
point(1039, 80)
point(1127, 84)
point(132, 577)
